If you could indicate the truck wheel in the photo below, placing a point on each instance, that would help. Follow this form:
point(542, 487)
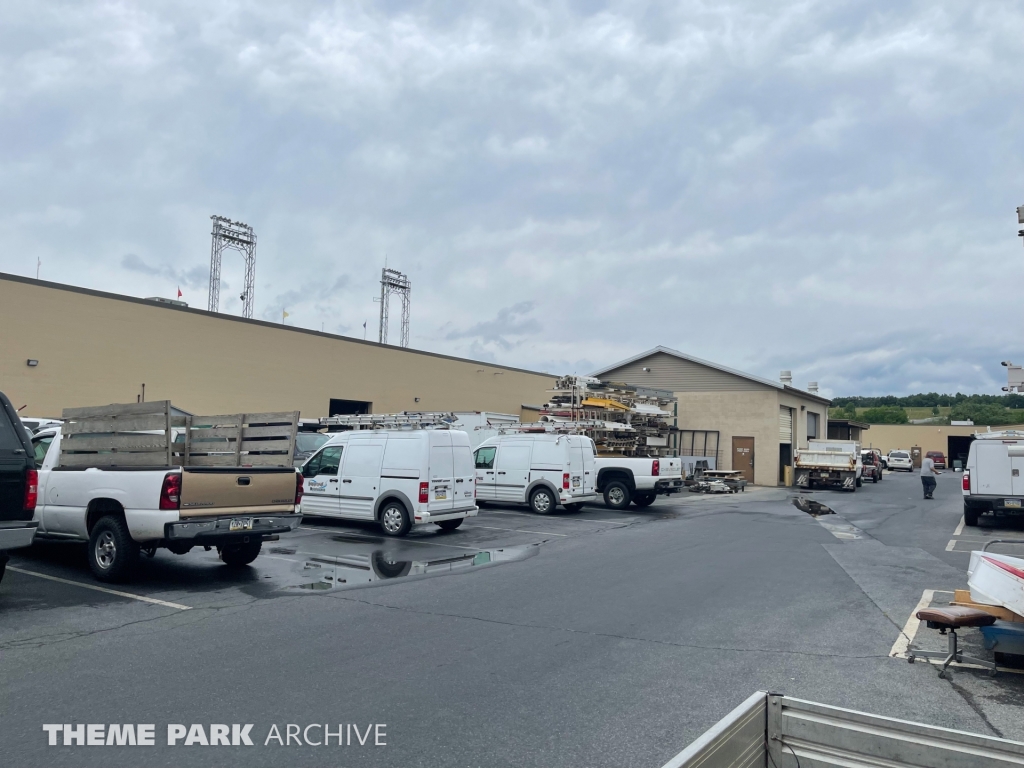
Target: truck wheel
point(616, 495)
point(241, 553)
point(542, 501)
point(970, 516)
point(644, 499)
point(113, 552)
point(4, 557)
point(874, 477)
point(859, 482)
point(450, 525)
point(394, 519)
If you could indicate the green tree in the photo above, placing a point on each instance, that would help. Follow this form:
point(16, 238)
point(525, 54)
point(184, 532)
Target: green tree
point(935, 410)
point(983, 414)
point(885, 415)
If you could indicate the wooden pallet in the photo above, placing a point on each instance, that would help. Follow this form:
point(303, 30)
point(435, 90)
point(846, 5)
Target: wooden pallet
point(963, 597)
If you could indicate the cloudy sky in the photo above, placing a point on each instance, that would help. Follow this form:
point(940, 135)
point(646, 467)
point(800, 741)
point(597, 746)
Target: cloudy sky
point(827, 187)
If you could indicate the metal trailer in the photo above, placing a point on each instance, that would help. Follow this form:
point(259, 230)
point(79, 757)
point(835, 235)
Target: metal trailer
point(772, 731)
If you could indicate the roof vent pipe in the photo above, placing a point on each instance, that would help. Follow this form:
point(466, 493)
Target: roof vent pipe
point(786, 377)
point(812, 387)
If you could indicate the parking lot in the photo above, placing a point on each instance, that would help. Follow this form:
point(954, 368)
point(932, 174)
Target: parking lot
point(597, 638)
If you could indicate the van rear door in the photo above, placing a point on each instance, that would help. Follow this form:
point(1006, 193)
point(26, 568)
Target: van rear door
point(576, 448)
point(589, 465)
point(465, 471)
point(441, 472)
point(992, 474)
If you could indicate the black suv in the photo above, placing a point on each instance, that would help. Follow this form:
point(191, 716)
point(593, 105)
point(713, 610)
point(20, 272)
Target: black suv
point(18, 483)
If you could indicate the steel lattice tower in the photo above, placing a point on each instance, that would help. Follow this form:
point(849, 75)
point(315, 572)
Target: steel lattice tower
point(234, 235)
point(393, 281)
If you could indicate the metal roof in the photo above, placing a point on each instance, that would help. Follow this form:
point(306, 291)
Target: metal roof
point(716, 366)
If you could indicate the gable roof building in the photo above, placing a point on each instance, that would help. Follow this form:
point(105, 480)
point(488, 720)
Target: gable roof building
point(733, 419)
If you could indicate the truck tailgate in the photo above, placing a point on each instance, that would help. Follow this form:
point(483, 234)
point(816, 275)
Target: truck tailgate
point(207, 491)
point(826, 460)
point(671, 466)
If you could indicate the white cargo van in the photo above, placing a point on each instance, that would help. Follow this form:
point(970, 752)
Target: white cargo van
point(993, 481)
point(399, 478)
point(539, 469)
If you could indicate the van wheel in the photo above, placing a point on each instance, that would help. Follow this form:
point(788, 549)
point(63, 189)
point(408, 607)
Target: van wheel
point(644, 499)
point(542, 501)
point(970, 516)
point(450, 525)
point(394, 519)
point(113, 552)
point(574, 507)
point(240, 553)
point(616, 495)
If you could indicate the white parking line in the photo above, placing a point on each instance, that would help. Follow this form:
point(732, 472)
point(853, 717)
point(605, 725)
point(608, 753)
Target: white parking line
point(153, 600)
point(520, 530)
point(899, 648)
point(952, 543)
point(959, 528)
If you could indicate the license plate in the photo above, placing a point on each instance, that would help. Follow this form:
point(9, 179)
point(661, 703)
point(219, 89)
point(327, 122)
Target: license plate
point(241, 524)
point(440, 494)
point(1011, 503)
point(575, 482)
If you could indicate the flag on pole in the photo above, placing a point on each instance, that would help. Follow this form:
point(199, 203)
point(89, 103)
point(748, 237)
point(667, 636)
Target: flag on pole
point(179, 291)
point(283, 315)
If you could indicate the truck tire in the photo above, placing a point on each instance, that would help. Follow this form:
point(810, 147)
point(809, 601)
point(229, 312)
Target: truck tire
point(394, 519)
point(4, 557)
point(616, 495)
point(240, 553)
point(874, 477)
point(543, 501)
point(450, 525)
point(860, 482)
point(970, 516)
point(113, 553)
point(644, 499)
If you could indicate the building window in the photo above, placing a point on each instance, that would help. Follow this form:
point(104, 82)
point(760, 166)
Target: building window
point(698, 443)
point(812, 426)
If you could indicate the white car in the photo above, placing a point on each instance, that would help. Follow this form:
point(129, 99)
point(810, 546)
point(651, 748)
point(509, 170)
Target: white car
point(542, 470)
point(398, 478)
point(900, 460)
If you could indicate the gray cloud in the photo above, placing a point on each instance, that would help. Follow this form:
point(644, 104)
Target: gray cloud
point(822, 187)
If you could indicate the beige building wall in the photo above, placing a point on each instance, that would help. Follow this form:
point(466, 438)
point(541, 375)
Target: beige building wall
point(889, 437)
point(95, 349)
point(737, 414)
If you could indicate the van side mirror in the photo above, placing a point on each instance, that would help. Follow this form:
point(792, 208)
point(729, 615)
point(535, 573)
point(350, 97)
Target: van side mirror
point(308, 470)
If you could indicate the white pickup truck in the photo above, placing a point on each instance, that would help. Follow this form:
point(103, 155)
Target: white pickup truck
point(992, 480)
point(623, 479)
point(122, 511)
point(829, 462)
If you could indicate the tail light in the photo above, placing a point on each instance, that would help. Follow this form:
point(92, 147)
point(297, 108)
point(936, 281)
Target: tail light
point(170, 493)
point(966, 481)
point(655, 467)
point(31, 490)
point(298, 489)
point(565, 481)
point(424, 493)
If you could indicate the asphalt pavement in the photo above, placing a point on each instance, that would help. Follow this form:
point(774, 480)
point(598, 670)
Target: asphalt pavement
point(600, 638)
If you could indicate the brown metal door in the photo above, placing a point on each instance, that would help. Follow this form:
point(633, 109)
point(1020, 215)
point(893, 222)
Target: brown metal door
point(743, 456)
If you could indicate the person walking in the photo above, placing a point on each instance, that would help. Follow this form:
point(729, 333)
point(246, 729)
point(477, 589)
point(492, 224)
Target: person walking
point(927, 481)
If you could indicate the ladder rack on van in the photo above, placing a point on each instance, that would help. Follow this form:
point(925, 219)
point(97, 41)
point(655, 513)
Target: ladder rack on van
point(405, 420)
point(559, 427)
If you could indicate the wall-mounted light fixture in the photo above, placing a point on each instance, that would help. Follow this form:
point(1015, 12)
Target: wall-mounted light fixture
point(646, 370)
point(32, 363)
point(416, 399)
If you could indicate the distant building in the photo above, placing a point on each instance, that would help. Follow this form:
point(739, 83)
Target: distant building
point(742, 421)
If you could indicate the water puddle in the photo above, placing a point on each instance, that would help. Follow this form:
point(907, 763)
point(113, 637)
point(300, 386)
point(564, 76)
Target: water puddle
point(349, 571)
